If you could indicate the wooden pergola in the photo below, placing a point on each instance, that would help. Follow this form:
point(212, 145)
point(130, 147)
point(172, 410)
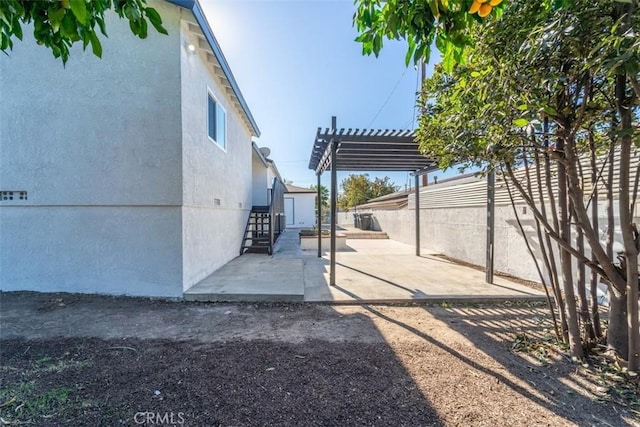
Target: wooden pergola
point(364, 150)
point(379, 150)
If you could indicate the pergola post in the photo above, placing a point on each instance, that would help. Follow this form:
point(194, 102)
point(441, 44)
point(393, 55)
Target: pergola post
point(319, 202)
point(417, 194)
point(490, 225)
point(334, 204)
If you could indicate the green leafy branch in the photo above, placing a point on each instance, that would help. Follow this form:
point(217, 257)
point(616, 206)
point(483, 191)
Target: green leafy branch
point(59, 24)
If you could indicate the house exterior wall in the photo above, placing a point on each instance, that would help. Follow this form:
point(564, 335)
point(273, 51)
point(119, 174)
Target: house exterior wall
point(260, 182)
point(304, 209)
point(217, 183)
point(97, 146)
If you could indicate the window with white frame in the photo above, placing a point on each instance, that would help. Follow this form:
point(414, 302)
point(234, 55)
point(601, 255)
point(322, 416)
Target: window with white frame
point(216, 122)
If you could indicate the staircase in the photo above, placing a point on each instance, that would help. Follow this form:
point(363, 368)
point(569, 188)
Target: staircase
point(257, 234)
point(265, 223)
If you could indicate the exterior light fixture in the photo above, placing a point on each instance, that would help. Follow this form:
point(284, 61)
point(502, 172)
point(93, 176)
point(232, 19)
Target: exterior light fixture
point(191, 48)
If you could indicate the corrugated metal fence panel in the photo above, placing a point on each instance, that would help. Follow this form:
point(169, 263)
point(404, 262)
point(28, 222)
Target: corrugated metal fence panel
point(472, 192)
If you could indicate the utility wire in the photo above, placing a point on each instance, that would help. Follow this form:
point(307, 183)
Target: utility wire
point(415, 107)
point(388, 97)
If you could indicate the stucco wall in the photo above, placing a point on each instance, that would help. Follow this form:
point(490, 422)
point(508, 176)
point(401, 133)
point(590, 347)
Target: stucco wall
point(217, 183)
point(97, 146)
point(103, 249)
point(98, 131)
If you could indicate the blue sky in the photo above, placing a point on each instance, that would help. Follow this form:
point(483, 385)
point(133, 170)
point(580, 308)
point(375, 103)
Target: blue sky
point(297, 64)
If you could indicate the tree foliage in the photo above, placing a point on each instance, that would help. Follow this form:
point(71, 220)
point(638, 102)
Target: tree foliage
point(358, 189)
point(58, 25)
point(546, 93)
point(547, 89)
point(447, 23)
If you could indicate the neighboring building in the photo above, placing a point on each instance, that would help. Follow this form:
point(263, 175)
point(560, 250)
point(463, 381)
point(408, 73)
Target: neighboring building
point(130, 174)
point(265, 173)
point(299, 207)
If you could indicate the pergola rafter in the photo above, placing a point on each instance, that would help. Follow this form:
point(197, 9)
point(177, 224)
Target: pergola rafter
point(367, 149)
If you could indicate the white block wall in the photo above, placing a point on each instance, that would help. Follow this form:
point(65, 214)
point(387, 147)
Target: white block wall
point(460, 233)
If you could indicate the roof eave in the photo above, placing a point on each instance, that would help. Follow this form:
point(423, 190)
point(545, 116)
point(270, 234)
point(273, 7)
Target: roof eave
point(195, 7)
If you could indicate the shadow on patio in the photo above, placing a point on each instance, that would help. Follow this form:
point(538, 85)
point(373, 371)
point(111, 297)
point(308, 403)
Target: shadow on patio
point(378, 271)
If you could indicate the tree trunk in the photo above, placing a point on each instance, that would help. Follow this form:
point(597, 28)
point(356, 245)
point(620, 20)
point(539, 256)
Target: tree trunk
point(617, 336)
point(595, 279)
point(629, 234)
point(611, 225)
point(554, 215)
point(565, 259)
point(547, 255)
point(589, 334)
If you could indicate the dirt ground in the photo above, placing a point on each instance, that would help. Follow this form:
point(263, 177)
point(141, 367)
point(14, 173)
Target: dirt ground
point(86, 360)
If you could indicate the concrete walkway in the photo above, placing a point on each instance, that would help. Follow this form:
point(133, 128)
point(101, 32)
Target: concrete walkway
point(370, 271)
point(257, 277)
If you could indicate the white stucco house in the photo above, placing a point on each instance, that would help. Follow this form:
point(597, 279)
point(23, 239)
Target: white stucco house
point(299, 207)
point(130, 174)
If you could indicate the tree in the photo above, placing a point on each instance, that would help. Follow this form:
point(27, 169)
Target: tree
point(358, 189)
point(381, 187)
point(60, 24)
point(551, 90)
point(578, 53)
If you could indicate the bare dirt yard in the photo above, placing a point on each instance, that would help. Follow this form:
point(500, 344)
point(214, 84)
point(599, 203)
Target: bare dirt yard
point(86, 360)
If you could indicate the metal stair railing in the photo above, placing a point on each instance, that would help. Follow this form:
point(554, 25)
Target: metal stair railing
point(276, 211)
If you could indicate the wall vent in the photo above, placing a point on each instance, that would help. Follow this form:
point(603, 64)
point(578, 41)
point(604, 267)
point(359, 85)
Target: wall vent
point(13, 195)
point(216, 202)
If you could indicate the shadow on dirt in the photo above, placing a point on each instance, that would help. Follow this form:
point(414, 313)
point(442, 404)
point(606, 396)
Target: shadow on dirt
point(72, 378)
point(555, 383)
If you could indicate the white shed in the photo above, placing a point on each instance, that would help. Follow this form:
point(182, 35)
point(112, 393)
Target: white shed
point(299, 207)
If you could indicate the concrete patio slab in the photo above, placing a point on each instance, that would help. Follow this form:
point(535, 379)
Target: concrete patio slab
point(377, 271)
point(369, 271)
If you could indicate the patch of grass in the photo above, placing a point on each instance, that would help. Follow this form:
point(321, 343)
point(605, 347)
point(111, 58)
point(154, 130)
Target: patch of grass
point(43, 361)
point(21, 402)
point(63, 365)
point(48, 364)
point(32, 394)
